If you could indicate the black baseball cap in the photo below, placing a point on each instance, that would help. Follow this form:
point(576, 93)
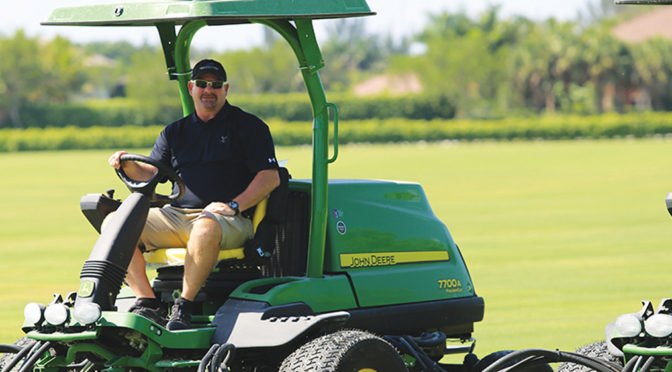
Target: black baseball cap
point(208, 66)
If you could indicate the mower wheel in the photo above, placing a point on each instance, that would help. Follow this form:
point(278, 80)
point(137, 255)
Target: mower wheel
point(347, 350)
point(597, 350)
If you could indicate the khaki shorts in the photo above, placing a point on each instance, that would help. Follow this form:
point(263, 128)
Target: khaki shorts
point(169, 227)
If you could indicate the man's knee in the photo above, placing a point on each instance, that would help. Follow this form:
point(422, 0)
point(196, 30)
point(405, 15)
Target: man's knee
point(206, 229)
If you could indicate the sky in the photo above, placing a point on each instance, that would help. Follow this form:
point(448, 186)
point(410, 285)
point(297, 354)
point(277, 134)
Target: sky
point(395, 17)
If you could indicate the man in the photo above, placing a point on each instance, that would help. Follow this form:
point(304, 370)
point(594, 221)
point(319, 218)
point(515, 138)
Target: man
point(226, 159)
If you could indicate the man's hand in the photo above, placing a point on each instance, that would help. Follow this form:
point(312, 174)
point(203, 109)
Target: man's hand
point(114, 159)
point(220, 208)
point(135, 170)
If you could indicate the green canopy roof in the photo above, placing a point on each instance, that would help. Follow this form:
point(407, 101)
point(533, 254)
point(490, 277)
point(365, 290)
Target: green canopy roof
point(214, 12)
point(644, 2)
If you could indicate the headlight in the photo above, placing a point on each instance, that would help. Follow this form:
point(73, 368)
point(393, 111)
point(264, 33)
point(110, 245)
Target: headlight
point(87, 312)
point(34, 313)
point(56, 314)
point(659, 325)
point(628, 325)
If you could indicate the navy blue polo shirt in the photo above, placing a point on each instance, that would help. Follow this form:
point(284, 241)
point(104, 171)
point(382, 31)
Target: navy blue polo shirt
point(217, 159)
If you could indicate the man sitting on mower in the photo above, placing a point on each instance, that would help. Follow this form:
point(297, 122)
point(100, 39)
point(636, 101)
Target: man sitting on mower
point(226, 159)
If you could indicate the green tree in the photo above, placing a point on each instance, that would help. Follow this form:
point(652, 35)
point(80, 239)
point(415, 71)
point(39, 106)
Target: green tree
point(542, 65)
point(270, 69)
point(107, 67)
point(35, 72)
point(465, 60)
point(147, 78)
point(351, 53)
point(653, 69)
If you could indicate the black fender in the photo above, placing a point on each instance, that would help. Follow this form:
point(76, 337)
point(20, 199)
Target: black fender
point(252, 324)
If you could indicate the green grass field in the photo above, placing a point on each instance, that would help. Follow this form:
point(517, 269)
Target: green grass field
point(560, 237)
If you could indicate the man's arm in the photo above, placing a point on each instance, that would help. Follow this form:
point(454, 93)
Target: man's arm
point(262, 184)
point(134, 170)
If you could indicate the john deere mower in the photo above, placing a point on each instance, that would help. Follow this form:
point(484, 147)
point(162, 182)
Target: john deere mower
point(342, 275)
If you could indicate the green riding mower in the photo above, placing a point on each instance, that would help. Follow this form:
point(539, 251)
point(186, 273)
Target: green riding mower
point(341, 275)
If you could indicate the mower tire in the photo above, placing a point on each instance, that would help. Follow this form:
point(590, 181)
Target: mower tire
point(347, 350)
point(597, 350)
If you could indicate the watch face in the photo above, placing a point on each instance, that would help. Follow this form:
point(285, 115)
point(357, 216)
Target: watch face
point(233, 205)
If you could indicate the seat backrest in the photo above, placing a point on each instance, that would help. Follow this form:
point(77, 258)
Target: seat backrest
point(261, 246)
point(259, 213)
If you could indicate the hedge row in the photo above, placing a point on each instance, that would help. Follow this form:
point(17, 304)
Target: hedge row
point(391, 130)
point(289, 107)
point(106, 113)
point(296, 107)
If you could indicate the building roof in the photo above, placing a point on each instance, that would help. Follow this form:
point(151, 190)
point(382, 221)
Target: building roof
point(657, 23)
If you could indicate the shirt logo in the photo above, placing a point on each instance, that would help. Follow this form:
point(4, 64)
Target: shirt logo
point(223, 139)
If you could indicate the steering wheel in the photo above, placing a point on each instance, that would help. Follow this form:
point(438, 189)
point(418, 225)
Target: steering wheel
point(148, 187)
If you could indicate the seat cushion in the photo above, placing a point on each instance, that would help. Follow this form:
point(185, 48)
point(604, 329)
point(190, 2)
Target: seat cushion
point(175, 256)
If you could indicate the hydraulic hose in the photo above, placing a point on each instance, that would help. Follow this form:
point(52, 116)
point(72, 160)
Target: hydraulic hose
point(206, 359)
point(548, 356)
point(221, 358)
point(430, 339)
point(408, 345)
point(19, 355)
point(34, 357)
point(433, 366)
point(528, 362)
point(631, 363)
point(402, 345)
point(418, 357)
point(11, 349)
point(597, 364)
point(648, 363)
point(637, 363)
point(79, 366)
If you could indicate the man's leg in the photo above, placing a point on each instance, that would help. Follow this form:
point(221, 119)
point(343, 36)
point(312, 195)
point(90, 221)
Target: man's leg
point(208, 235)
point(136, 277)
point(201, 257)
point(146, 303)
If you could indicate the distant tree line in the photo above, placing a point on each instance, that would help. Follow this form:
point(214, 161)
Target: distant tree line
point(493, 67)
point(485, 67)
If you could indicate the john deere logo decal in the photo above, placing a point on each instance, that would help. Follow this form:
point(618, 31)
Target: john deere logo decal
point(355, 260)
point(85, 288)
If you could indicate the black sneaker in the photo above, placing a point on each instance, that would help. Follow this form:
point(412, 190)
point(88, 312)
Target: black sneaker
point(150, 309)
point(180, 315)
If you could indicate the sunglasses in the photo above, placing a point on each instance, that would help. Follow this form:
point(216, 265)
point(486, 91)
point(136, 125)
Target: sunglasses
point(217, 84)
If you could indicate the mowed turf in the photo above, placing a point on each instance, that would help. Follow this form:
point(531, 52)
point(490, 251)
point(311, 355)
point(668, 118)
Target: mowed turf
point(559, 237)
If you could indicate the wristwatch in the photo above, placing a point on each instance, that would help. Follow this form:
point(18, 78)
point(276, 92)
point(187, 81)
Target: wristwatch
point(234, 205)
